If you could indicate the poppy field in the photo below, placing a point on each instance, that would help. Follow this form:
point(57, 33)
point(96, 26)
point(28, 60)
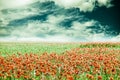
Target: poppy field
point(60, 61)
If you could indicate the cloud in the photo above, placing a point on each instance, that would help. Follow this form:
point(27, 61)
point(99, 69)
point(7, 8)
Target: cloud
point(27, 24)
point(4, 32)
point(51, 31)
point(37, 28)
point(14, 3)
point(84, 5)
point(117, 38)
point(106, 3)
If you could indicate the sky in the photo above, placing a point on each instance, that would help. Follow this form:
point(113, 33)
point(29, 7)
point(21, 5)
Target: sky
point(60, 20)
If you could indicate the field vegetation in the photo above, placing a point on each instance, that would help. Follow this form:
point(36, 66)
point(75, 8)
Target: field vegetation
point(59, 61)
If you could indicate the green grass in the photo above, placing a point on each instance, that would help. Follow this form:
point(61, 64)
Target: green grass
point(38, 48)
point(12, 48)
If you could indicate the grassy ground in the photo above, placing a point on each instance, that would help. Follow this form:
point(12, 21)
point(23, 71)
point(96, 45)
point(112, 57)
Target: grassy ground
point(38, 48)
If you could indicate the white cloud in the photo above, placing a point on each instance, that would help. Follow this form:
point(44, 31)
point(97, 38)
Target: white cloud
point(80, 30)
point(43, 28)
point(116, 39)
point(14, 3)
point(106, 3)
point(51, 31)
point(84, 5)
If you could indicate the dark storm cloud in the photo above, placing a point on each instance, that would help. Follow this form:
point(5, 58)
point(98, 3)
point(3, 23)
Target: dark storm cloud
point(44, 5)
point(73, 14)
point(109, 17)
point(25, 20)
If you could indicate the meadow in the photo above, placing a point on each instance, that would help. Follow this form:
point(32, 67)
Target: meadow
point(59, 61)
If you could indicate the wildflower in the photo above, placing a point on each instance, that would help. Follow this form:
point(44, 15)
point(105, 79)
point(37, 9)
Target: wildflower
point(70, 78)
point(99, 77)
point(113, 71)
point(89, 76)
point(111, 78)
